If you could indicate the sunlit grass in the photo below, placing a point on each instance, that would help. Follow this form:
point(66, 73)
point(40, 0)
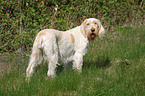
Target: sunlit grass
point(105, 72)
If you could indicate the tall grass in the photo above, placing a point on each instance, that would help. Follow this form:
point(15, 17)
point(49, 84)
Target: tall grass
point(105, 70)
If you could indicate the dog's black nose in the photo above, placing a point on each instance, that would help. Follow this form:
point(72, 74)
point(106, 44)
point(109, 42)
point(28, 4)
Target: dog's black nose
point(93, 30)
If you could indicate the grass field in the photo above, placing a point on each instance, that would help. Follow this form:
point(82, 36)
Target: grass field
point(114, 66)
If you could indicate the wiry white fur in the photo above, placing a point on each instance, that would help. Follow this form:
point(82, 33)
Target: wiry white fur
point(67, 46)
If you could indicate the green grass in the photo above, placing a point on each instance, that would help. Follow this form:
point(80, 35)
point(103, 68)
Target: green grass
point(104, 73)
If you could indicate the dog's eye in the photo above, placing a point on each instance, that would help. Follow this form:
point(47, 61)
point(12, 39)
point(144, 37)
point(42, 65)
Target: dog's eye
point(95, 23)
point(88, 24)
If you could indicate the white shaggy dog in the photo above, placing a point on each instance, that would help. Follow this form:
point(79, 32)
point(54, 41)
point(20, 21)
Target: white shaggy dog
point(53, 46)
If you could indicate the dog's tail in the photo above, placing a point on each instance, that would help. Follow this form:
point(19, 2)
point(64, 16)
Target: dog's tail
point(37, 50)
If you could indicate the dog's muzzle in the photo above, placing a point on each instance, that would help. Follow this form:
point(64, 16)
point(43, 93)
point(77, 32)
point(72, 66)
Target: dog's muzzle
point(93, 34)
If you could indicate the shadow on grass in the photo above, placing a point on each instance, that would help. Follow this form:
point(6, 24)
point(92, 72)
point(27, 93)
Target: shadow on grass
point(99, 62)
point(43, 68)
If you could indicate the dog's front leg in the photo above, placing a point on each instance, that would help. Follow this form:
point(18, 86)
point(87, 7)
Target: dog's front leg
point(77, 63)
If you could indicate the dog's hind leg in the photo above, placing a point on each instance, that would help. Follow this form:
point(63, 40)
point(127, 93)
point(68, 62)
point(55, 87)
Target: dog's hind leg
point(52, 66)
point(51, 51)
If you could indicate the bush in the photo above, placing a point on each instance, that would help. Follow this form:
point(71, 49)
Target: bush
point(22, 20)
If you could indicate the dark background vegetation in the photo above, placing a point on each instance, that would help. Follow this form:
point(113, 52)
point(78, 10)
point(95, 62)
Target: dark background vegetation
point(21, 20)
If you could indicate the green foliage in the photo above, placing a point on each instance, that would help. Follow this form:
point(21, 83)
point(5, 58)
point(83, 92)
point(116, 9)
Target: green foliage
point(21, 20)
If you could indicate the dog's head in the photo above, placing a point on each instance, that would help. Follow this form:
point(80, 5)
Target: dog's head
point(92, 28)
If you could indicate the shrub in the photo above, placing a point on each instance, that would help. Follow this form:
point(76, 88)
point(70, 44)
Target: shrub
point(22, 20)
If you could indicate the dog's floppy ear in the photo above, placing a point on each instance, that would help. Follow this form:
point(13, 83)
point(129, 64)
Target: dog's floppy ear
point(83, 25)
point(101, 29)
